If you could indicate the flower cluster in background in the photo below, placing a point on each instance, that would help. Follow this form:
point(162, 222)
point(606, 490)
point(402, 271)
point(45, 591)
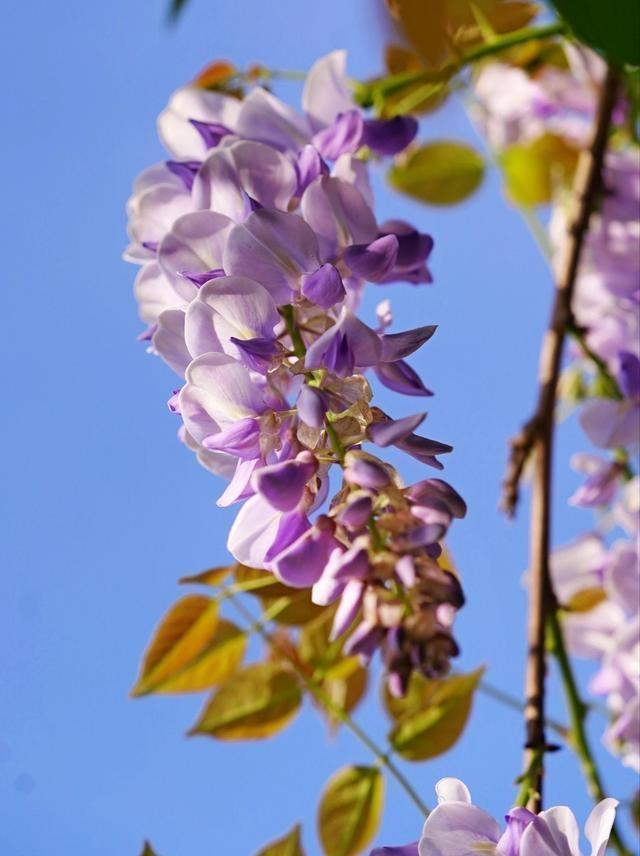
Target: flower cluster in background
point(597, 578)
point(456, 827)
point(255, 240)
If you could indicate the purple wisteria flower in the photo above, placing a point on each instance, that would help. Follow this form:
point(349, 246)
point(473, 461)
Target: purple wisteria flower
point(456, 827)
point(255, 239)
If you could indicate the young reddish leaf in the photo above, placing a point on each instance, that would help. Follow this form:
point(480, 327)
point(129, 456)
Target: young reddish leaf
point(350, 810)
point(439, 173)
point(254, 703)
point(216, 73)
point(432, 715)
point(289, 845)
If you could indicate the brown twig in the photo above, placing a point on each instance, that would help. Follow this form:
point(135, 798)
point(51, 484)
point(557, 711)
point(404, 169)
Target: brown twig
point(537, 437)
point(585, 189)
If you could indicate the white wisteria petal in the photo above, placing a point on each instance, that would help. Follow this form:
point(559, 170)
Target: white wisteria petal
point(458, 829)
point(234, 175)
point(452, 790)
point(224, 388)
point(599, 825)
point(177, 133)
point(155, 211)
point(155, 293)
point(194, 245)
point(326, 91)
point(338, 214)
point(265, 118)
point(354, 171)
point(168, 340)
point(219, 463)
point(253, 532)
point(230, 306)
point(553, 832)
point(274, 248)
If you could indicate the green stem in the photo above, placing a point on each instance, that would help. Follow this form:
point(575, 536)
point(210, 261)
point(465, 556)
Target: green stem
point(365, 93)
point(529, 777)
point(247, 585)
point(611, 384)
point(299, 347)
point(334, 439)
point(577, 715)
point(517, 704)
point(340, 713)
point(512, 40)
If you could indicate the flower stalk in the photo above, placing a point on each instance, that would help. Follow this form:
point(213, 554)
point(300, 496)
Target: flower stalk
point(381, 755)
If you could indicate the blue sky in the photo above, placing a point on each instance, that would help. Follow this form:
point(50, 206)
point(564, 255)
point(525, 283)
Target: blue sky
point(104, 509)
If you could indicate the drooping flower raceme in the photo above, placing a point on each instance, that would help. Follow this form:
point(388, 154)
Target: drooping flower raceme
point(597, 579)
point(255, 240)
point(456, 827)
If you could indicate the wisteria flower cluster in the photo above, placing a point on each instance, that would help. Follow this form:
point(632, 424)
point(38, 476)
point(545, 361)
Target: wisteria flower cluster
point(599, 584)
point(456, 827)
point(597, 581)
point(255, 240)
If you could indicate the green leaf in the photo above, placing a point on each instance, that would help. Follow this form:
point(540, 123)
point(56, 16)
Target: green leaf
point(612, 29)
point(439, 173)
point(350, 809)
point(534, 171)
point(254, 703)
point(432, 715)
point(289, 845)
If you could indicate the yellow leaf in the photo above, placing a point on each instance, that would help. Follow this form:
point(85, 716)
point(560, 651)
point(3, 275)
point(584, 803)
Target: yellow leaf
point(147, 850)
point(432, 715)
point(534, 171)
point(443, 30)
point(314, 646)
point(347, 691)
point(267, 588)
point(254, 703)
point(349, 811)
point(212, 577)
point(446, 562)
point(212, 667)
point(440, 173)
point(300, 610)
point(289, 845)
point(585, 600)
point(192, 649)
point(266, 584)
point(417, 98)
